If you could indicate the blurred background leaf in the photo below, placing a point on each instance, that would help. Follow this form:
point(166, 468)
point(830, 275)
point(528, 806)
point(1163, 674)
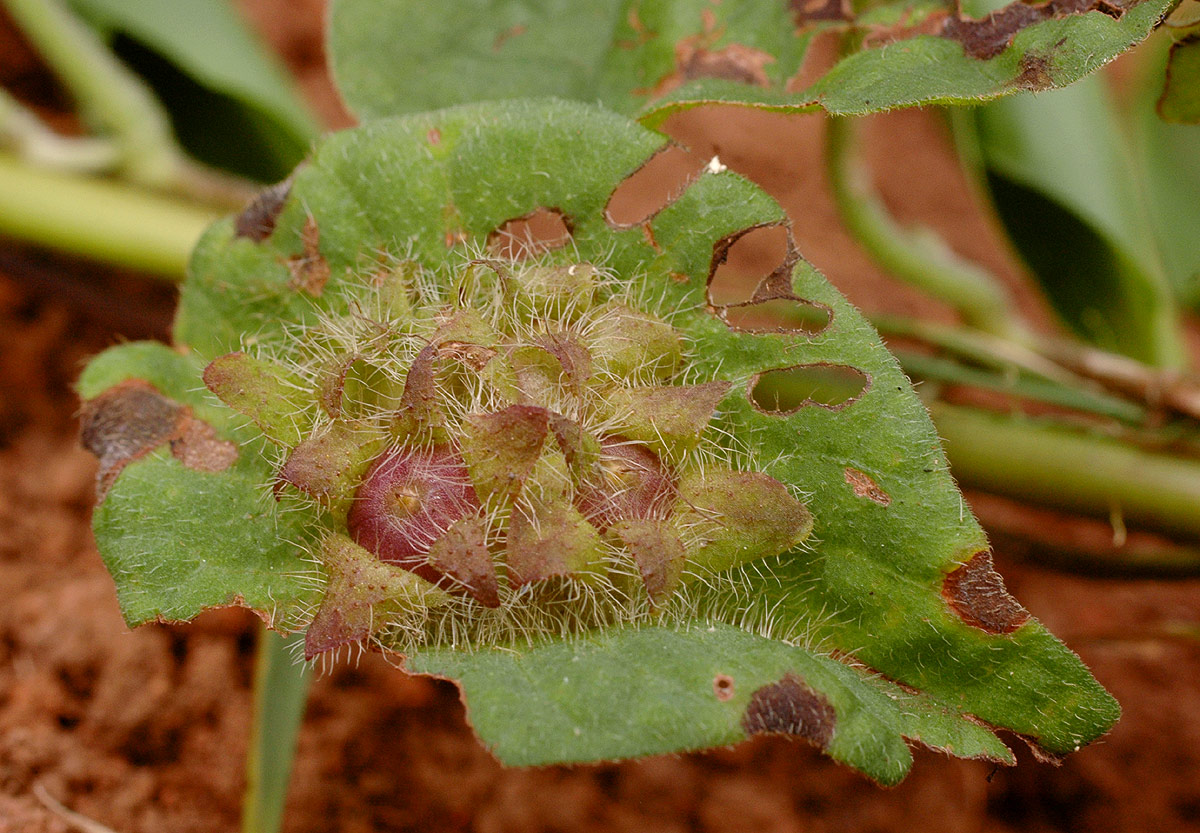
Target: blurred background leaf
point(230, 101)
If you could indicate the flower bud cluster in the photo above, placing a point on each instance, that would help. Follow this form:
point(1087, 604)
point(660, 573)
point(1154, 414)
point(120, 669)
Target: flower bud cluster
point(518, 442)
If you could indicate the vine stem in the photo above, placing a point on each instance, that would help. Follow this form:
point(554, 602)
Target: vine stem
point(110, 96)
point(916, 256)
point(280, 696)
point(1056, 465)
point(26, 134)
point(99, 219)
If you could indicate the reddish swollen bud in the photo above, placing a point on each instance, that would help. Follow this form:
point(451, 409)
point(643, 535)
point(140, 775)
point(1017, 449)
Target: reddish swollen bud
point(407, 501)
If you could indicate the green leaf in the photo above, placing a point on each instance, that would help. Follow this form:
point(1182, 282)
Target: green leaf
point(1179, 101)
point(657, 57)
point(231, 103)
point(893, 579)
point(1060, 178)
point(1169, 159)
point(688, 690)
point(178, 541)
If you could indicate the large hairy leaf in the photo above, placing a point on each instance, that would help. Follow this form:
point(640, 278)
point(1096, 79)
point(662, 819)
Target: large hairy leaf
point(888, 623)
point(655, 57)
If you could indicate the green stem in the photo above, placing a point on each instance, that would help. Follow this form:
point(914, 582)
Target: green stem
point(1054, 465)
point(110, 96)
point(280, 695)
point(916, 256)
point(99, 219)
point(1021, 386)
point(977, 346)
point(22, 132)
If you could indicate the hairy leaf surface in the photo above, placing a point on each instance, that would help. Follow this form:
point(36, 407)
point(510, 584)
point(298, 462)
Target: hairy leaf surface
point(655, 57)
point(894, 584)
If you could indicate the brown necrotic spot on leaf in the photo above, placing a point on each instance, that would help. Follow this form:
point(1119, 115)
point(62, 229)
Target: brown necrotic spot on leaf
point(805, 12)
point(131, 419)
point(535, 233)
point(124, 423)
point(310, 269)
point(749, 284)
point(976, 593)
point(786, 390)
point(656, 184)
point(1034, 74)
point(257, 219)
point(696, 57)
point(866, 487)
point(507, 35)
point(789, 707)
point(723, 687)
point(735, 62)
point(990, 36)
point(198, 447)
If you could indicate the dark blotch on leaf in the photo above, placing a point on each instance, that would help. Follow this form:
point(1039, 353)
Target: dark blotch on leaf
point(198, 447)
point(976, 593)
point(735, 62)
point(1035, 73)
point(990, 36)
point(789, 707)
point(257, 219)
point(131, 419)
point(864, 486)
point(310, 269)
point(814, 11)
point(723, 687)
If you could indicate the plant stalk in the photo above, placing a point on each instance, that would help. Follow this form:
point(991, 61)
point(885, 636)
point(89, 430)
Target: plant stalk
point(99, 219)
point(1055, 465)
point(110, 97)
point(280, 696)
point(22, 132)
point(917, 256)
